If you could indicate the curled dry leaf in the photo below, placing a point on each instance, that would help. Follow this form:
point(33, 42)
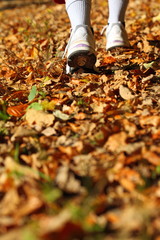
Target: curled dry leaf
point(125, 93)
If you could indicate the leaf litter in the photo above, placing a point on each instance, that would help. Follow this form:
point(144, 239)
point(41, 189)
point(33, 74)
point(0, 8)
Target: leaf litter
point(80, 154)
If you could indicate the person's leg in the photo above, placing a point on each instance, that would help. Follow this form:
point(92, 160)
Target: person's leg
point(116, 33)
point(78, 12)
point(117, 10)
point(81, 46)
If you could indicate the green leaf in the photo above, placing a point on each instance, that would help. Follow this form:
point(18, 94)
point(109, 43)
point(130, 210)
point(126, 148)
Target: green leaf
point(3, 116)
point(50, 195)
point(29, 234)
point(149, 65)
point(32, 93)
point(16, 152)
point(158, 170)
point(36, 106)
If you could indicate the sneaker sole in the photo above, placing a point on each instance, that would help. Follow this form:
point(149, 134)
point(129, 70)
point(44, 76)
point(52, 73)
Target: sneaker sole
point(117, 43)
point(82, 59)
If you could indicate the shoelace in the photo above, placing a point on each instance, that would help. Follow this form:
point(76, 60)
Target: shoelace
point(104, 29)
point(106, 26)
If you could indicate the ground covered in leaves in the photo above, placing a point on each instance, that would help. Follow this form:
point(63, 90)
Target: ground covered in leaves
point(80, 154)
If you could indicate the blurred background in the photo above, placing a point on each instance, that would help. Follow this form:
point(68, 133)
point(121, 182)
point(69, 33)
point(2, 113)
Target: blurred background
point(9, 4)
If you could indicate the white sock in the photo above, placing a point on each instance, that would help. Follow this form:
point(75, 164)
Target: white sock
point(78, 12)
point(117, 10)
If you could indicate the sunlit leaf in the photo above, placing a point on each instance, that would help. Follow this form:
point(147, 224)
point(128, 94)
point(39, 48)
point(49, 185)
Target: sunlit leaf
point(17, 111)
point(32, 93)
point(61, 115)
point(36, 106)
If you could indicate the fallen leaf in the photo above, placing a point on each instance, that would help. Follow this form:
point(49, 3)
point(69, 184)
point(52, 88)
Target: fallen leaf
point(150, 121)
point(54, 223)
point(127, 184)
point(39, 119)
point(125, 93)
point(32, 204)
point(116, 141)
point(13, 166)
point(109, 60)
point(98, 106)
point(61, 115)
point(151, 157)
point(49, 131)
point(21, 131)
point(17, 111)
point(156, 18)
point(67, 181)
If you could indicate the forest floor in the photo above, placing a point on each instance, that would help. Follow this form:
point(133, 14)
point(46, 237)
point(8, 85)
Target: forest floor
point(79, 154)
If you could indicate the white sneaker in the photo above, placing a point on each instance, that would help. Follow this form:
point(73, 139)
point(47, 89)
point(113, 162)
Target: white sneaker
point(81, 49)
point(116, 36)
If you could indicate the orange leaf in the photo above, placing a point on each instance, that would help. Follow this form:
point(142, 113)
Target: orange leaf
point(111, 217)
point(152, 157)
point(127, 184)
point(21, 95)
point(17, 111)
point(109, 60)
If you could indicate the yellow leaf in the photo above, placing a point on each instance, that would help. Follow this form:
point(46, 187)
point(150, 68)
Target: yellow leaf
point(34, 53)
point(156, 18)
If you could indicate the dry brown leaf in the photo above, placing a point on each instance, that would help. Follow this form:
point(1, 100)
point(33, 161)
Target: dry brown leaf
point(39, 119)
point(10, 202)
point(128, 178)
point(98, 106)
point(49, 131)
point(91, 110)
point(29, 206)
point(151, 157)
point(11, 166)
point(150, 121)
point(67, 181)
point(116, 142)
point(20, 132)
point(54, 223)
point(145, 46)
point(127, 184)
point(125, 93)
